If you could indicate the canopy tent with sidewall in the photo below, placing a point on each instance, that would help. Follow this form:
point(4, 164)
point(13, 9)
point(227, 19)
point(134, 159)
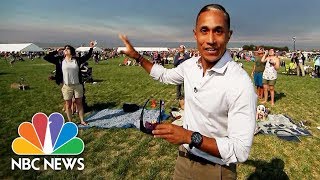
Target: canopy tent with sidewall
point(27, 47)
point(148, 49)
point(86, 49)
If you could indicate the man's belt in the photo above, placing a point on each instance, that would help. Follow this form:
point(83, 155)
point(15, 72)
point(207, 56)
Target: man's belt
point(195, 158)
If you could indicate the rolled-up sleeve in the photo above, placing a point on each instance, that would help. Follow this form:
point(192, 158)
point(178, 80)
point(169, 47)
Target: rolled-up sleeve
point(167, 76)
point(241, 125)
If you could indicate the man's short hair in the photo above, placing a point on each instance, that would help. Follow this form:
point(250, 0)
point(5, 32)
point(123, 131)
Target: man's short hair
point(212, 7)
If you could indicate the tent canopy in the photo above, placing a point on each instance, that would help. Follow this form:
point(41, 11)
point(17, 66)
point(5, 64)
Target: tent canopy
point(27, 47)
point(149, 49)
point(86, 49)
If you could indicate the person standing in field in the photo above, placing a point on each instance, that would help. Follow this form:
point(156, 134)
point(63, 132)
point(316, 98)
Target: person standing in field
point(179, 58)
point(269, 74)
point(257, 71)
point(220, 102)
point(68, 74)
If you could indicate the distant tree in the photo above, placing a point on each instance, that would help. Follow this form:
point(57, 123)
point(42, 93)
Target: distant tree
point(252, 47)
point(245, 47)
point(285, 48)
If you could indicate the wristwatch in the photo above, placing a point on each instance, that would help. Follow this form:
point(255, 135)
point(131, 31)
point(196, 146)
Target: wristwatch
point(196, 140)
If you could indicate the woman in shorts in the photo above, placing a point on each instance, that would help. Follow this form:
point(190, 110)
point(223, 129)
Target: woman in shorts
point(270, 74)
point(257, 71)
point(68, 74)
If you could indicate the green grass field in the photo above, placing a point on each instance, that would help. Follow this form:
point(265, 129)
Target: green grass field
point(130, 154)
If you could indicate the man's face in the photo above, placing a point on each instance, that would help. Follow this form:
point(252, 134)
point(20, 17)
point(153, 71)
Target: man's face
point(212, 35)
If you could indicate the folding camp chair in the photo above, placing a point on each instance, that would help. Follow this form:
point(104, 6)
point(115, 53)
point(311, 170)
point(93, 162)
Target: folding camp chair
point(290, 69)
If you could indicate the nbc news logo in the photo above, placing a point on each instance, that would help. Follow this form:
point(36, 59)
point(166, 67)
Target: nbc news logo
point(47, 136)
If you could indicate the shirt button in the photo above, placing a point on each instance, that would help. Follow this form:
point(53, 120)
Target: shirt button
point(195, 90)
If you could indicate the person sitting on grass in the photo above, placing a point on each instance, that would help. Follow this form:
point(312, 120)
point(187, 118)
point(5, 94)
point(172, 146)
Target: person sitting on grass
point(126, 62)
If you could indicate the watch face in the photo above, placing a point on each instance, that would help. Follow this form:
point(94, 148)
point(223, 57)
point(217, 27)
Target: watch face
point(196, 138)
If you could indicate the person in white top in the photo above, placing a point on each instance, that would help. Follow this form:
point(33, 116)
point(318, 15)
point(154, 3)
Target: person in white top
point(68, 74)
point(269, 74)
point(220, 102)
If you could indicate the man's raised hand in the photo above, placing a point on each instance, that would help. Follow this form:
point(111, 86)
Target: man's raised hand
point(60, 49)
point(130, 51)
point(91, 44)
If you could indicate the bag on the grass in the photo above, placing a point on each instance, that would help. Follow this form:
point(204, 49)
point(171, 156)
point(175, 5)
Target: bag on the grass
point(128, 107)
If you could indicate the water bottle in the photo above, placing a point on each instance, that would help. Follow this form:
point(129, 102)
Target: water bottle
point(162, 105)
point(153, 103)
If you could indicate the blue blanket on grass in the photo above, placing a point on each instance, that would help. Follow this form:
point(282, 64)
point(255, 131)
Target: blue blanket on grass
point(117, 118)
point(283, 127)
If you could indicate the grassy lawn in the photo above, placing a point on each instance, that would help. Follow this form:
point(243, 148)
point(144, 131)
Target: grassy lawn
point(130, 154)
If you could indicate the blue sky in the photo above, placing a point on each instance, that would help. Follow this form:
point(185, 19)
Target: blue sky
point(148, 22)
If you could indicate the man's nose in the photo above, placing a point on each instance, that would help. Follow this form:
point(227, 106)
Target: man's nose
point(211, 38)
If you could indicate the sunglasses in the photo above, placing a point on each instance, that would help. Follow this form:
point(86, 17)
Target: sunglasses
point(148, 127)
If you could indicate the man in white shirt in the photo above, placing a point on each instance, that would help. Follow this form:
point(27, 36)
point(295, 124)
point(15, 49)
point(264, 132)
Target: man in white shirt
point(220, 102)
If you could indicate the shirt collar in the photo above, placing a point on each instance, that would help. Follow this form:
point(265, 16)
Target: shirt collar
point(221, 65)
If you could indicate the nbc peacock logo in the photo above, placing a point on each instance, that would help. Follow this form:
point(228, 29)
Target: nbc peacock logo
point(47, 136)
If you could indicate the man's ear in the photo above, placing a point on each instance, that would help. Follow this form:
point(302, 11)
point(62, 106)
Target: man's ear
point(230, 34)
point(194, 34)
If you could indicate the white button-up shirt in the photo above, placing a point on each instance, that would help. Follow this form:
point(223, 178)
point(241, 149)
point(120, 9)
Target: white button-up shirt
point(220, 104)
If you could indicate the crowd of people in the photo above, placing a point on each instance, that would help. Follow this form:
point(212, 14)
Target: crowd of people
point(13, 57)
point(298, 64)
point(266, 65)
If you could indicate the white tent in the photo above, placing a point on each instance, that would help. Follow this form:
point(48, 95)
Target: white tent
point(86, 49)
point(149, 49)
point(28, 47)
point(236, 49)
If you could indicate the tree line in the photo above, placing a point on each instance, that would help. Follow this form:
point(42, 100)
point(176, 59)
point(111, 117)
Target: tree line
point(252, 47)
